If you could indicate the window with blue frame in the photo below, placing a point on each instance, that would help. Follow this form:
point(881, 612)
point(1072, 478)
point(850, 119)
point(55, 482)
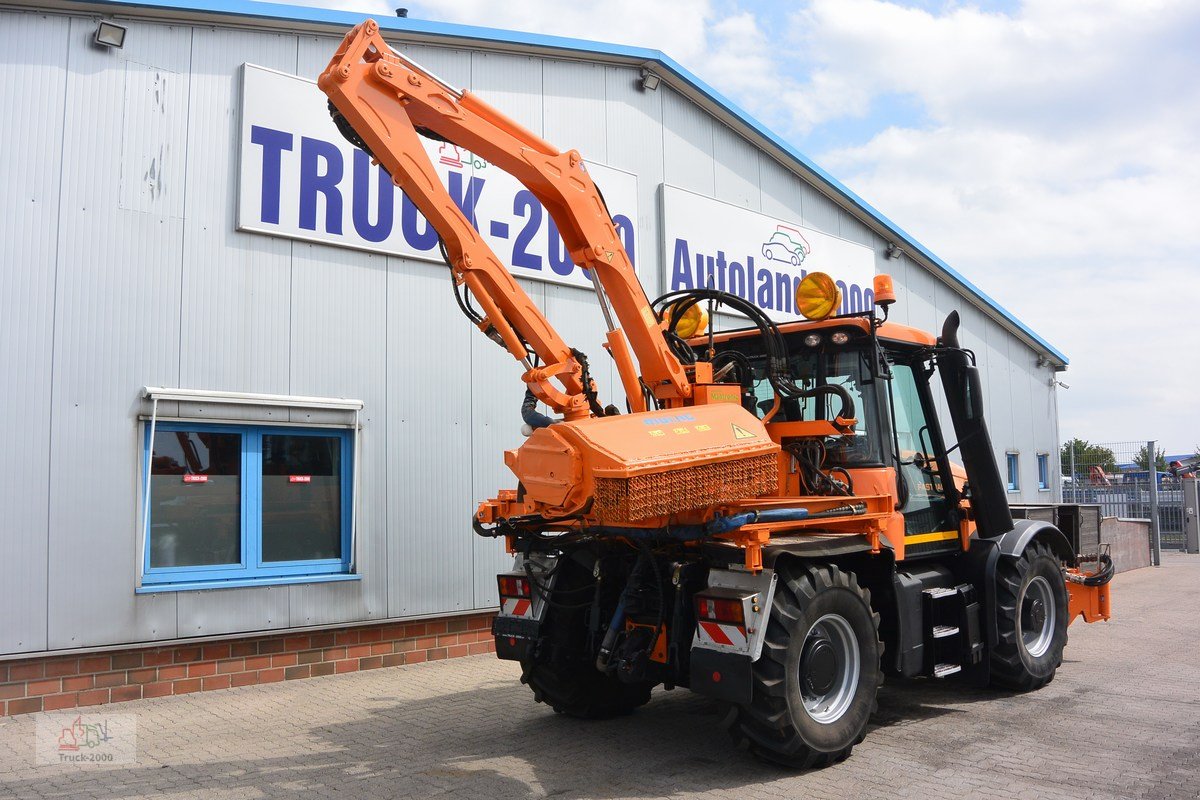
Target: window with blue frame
point(1043, 460)
point(1014, 472)
point(234, 503)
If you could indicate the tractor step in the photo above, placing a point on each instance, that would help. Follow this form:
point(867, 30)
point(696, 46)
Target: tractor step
point(953, 634)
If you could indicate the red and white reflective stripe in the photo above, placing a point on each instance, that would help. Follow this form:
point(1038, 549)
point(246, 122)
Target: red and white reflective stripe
point(516, 607)
point(722, 633)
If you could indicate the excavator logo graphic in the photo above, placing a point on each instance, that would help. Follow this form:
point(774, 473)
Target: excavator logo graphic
point(786, 244)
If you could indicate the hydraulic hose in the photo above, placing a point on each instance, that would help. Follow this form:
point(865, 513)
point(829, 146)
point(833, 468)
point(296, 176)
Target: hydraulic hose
point(530, 415)
point(1105, 574)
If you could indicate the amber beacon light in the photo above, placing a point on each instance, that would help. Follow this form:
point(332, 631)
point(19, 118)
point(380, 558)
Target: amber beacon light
point(885, 293)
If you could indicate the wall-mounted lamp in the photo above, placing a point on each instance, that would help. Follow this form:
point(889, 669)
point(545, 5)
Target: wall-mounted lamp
point(649, 81)
point(892, 251)
point(109, 34)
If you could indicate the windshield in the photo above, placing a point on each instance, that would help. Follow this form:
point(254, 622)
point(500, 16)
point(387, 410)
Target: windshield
point(847, 367)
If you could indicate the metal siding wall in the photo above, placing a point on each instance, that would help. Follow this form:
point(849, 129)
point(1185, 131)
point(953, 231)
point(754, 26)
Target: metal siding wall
point(688, 160)
point(575, 112)
point(819, 211)
point(780, 191)
point(634, 142)
point(116, 329)
point(736, 169)
point(339, 349)
point(235, 319)
point(33, 78)
point(512, 84)
point(429, 457)
point(235, 331)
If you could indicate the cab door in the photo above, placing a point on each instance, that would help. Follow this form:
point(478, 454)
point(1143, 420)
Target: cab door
point(925, 487)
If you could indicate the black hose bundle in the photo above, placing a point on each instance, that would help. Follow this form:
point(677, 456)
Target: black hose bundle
point(1105, 574)
point(778, 371)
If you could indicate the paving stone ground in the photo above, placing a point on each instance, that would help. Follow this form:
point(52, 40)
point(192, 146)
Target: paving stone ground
point(1121, 720)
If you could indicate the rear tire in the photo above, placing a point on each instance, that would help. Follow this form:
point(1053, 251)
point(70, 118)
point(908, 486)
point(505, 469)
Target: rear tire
point(1031, 619)
point(583, 692)
point(562, 674)
point(815, 684)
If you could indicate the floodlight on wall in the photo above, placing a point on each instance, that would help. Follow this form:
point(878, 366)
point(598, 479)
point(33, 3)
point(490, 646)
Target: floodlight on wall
point(893, 252)
point(109, 34)
point(649, 80)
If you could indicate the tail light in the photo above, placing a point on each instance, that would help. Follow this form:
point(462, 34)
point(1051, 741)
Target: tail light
point(514, 586)
point(728, 609)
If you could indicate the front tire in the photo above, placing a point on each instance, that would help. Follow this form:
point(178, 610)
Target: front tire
point(816, 682)
point(1031, 619)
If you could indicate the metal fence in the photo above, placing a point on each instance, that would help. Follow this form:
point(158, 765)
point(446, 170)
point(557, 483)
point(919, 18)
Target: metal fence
point(1126, 479)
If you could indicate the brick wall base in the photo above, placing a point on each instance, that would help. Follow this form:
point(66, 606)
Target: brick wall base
point(52, 683)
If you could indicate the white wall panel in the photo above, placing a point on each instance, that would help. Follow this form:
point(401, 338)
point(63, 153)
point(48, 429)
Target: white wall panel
point(736, 169)
point(820, 212)
point(634, 142)
point(781, 191)
point(574, 108)
point(429, 457)
point(211, 613)
point(33, 78)
point(687, 142)
point(116, 329)
point(339, 349)
point(236, 286)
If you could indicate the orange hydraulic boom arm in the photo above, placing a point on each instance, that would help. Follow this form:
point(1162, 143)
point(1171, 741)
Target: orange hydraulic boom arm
point(388, 100)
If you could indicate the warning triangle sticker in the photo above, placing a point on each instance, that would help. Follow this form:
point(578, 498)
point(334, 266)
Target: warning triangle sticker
point(741, 433)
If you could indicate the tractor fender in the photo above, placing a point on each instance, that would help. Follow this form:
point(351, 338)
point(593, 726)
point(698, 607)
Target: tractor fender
point(1027, 531)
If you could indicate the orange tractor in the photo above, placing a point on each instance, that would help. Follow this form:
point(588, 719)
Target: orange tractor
point(774, 521)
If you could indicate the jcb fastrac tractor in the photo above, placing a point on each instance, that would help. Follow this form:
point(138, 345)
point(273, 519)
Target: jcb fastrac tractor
point(774, 521)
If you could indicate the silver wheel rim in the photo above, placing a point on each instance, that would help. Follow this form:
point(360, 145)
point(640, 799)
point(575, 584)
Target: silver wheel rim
point(1037, 629)
point(829, 705)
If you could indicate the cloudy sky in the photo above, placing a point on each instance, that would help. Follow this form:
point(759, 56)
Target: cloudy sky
point(1048, 149)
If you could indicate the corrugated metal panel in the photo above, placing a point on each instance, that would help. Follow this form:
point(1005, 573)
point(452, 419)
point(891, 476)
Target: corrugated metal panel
point(431, 384)
point(736, 169)
point(496, 393)
point(687, 142)
point(512, 84)
point(852, 229)
point(820, 212)
point(29, 207)
point(779, 189)
point(116, 330)
point(453, 66)
point(339, 349)
point(212, 613)
point(153, 140)
point(634, 143)
point(235, 327)
point(574, 109)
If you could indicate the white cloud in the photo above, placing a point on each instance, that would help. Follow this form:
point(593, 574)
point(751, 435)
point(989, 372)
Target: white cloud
point(1059, 171)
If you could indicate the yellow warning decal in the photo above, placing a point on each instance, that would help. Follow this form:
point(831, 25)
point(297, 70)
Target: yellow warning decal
point(936, 536)
point(740, 432)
